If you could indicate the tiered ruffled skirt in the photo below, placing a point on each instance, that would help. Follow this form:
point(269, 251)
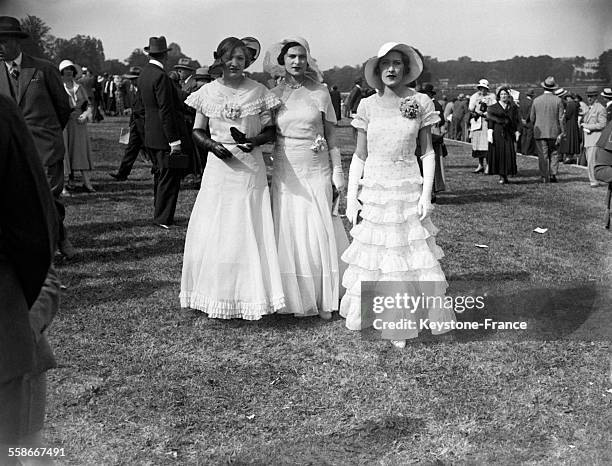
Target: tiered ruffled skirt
point(391, 243)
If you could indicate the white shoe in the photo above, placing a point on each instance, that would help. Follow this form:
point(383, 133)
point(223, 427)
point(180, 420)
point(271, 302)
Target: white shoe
point(399, 343)
point(325, 315)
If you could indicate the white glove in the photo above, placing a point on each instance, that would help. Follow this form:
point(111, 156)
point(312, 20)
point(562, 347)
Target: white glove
point(337, 173)
point(353, 206)
point(490, 136)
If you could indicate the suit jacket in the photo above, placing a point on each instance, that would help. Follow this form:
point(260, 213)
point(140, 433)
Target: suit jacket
point(189, 85)
point(609, 111)
point(546, 115)
point(525, 110)
point(28, 234)
point(163, 110)
point(138, 113)
point(44, 104)
point(594, 120)
point(353, 99)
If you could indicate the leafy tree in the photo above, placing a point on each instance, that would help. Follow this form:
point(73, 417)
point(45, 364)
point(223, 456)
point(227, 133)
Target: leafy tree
point(84, 50)
point(37, 44)
point(137, 58)
point(605, 65)
point(113, 67)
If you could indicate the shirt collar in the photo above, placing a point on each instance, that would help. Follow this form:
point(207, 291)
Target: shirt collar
point(9, 63)
point(156, 62)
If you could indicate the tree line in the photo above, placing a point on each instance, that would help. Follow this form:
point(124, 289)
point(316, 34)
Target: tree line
point(87, 50)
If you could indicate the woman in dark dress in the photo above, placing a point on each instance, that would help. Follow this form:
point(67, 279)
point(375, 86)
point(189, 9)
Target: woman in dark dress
point(570, 144)
point(503, 123)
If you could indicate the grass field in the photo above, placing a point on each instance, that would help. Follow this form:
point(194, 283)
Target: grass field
point(143, 382)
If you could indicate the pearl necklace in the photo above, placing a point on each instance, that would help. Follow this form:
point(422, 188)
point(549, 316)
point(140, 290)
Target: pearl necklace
point(297, 85)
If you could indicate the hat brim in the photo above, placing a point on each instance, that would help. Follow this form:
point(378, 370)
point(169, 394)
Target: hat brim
point(16, 34)
point(148, 50)
point(79, 70)
point(415, 66)
point(253, 45)
point(548, 88)
point(183, 67)
point(131, 76)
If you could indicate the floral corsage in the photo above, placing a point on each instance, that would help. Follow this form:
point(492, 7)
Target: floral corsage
point(319, 144)
point(409, 108)
point(231, 110)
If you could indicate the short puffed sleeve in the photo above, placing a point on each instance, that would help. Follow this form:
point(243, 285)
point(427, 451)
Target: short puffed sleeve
point(362, 117)
point(324, 103)
point(202, 101)
point(427, 112)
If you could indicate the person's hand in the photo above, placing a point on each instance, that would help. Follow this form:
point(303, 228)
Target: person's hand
point(353, 206)
point(82, 119)
point(424, 207)
point(244, 144)
point(517, 135)
point(490, 136)
point(220, 151)
point(338, 178)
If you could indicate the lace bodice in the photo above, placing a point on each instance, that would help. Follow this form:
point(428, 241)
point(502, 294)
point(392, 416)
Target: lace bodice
point(392, 137)
point(247, 108)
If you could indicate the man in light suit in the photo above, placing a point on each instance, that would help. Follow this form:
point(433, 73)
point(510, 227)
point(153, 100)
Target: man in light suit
point(36, 87)
point(166, 134)
point(593, 122)
point(546, 116)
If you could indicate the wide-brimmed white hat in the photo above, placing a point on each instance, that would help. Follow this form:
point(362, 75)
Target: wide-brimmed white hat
point(66, 63)
point(483, 83)
point(415, 65)
point(275, 69)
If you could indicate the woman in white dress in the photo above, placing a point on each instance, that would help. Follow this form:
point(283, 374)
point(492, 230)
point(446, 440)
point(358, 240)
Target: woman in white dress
point(302, 181)
point(230, 265)
point(479, 102)
point(395, 240)
point(76, 137)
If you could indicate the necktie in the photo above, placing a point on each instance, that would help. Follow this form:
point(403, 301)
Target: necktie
point(15, 71)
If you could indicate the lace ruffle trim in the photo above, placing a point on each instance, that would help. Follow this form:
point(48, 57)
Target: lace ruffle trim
point(231, 309)
point(405, 183)
point(203, 104)
point(391, 236)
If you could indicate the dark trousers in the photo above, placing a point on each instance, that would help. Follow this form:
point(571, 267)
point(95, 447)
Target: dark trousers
point(134, 146)
point(548, 157)
point(166, 186)
point(55, 177)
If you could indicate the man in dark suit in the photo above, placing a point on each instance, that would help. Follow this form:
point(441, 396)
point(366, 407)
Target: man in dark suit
point(166, 134)
point(136, 140)
point(36, 87)
point(336, 99)
point(186, 69)
point(28, 237)
point(526, 143)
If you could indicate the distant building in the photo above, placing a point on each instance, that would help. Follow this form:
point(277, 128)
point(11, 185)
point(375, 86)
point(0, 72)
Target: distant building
point(588, 68)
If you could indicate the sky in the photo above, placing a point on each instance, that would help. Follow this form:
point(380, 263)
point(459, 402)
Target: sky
point(340, 32)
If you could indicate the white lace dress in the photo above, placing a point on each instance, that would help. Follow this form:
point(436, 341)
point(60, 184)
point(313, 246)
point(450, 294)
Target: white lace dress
point(391, 243)
point(230, 265)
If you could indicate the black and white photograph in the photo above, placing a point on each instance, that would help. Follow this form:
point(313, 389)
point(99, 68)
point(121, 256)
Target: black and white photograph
point(320, 232)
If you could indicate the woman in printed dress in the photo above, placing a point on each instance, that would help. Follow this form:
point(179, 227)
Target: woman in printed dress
point(395, 240)
point(479, 102)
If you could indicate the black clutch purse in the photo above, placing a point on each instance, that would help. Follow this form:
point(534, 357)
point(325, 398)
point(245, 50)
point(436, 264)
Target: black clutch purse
point(179, 161)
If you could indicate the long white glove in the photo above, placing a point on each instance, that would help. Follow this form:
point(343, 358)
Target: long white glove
point(353, 206)
point(490, 136)
point(337, 172)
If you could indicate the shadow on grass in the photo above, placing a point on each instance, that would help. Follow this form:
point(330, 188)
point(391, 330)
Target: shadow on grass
point(118, 292)
point(472, 196)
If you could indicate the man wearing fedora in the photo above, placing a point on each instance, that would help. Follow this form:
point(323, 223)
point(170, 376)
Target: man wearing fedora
point(36, 87)
point(546, 115)
point(186, 69)
point(136, 139)
point(593, 122)
point(607, 94)
point(202, 76)
point(166, 136)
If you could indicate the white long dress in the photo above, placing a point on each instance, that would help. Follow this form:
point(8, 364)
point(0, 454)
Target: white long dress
point(391, 243)
point(230, 265)
point(302, 201)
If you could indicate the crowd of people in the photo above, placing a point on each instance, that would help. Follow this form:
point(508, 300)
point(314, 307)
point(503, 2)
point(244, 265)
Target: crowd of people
point(250, 249)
